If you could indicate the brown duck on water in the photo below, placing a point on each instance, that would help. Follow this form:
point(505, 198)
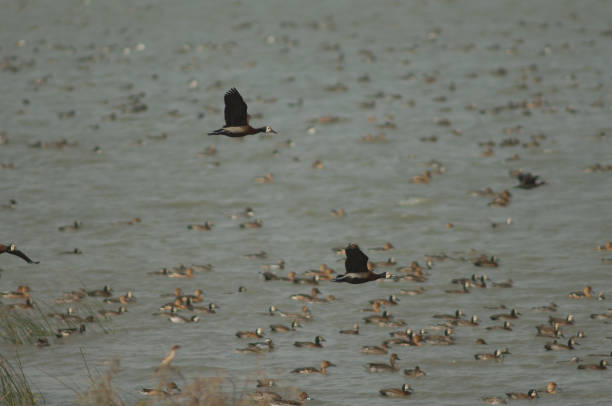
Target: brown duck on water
point(237, 119)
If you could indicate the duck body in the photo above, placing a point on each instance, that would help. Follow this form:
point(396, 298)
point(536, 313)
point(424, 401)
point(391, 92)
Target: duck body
point(497, 355)
point(603, 364)
point(177, 319)
point(236, 118)
point(514, 314)
point(532, 394)
point(568, 321)
point(555, 346)
point(284, 402)
point(307, 298)
point(353, 331)
point(414, 373)
point(406, 390)
point(494, 400)
point(373, 349)
point(380, 367)
point(308, 344)
point(312, 370)
point(281, 328)
point(250, 334)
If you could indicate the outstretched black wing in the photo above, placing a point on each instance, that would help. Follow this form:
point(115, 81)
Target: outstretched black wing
point(356, 261)
point(235, 109)
point(22, 256)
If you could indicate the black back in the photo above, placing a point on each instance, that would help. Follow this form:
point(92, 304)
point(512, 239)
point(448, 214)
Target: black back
point(356, 261)
point(235, 109)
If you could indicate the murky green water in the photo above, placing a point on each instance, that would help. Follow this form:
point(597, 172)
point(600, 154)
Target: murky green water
point(463, 72)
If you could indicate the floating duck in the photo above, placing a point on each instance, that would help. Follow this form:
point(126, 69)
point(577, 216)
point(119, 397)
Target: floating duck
point(283, 402)
point(603, 364)
point(311, 370)
point(406, 390)
point(531, 394)
point(353, 331)
point(308, 344)
point(380, 367)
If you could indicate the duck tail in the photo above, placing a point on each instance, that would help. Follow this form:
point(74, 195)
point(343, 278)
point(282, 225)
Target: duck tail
point(216, 132)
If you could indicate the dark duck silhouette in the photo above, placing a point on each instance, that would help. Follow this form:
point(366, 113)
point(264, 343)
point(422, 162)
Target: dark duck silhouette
point(357, 268)
point(529, 181)
point(12, 249)
point(237, 119)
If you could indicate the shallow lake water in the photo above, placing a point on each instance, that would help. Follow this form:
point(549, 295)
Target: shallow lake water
point(133, 88)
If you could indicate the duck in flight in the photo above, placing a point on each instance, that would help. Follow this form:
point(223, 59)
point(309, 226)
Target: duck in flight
point(237, 119)
point(357, 268)
point(12, 249)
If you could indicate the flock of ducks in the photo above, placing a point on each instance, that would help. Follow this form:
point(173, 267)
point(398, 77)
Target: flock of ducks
point(358, 270)
point(555, 334)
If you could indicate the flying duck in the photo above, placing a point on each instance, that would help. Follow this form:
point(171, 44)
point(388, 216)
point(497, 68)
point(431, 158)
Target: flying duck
point(529, 181)
point(237, 119)
point(12, 249)
point(357, 269)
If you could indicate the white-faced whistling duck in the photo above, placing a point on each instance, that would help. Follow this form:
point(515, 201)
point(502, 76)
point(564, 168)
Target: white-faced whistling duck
point(237, 119)
point(568, 321)
point(281, 328)
point(250, 334)
point(308, 344)
point(555, 346)
point(497, 355)
point(603, 364)
point(514, 314)
point(12, 249)
point(357, 270)
point(529, 181)
point(531, 394)
point(406, 390)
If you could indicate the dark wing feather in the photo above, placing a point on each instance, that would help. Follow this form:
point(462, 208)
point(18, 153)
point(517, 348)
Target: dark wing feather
point(22, 256)
point(356, 261)
point(235, 109)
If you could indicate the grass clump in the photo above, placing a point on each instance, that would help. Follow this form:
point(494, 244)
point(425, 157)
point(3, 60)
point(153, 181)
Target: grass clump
point(209, 391)
point(14, 387)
